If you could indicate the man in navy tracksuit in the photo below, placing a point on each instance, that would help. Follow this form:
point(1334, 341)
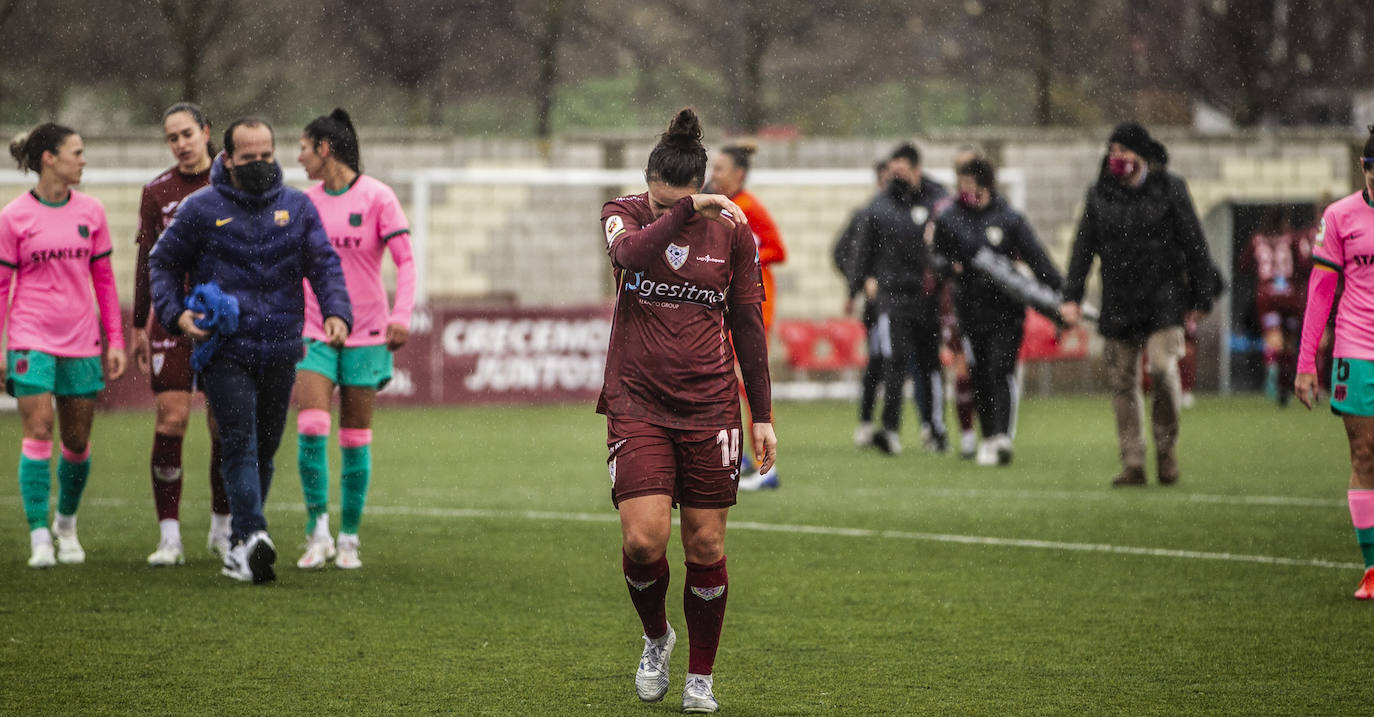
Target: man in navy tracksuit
point(256, 239)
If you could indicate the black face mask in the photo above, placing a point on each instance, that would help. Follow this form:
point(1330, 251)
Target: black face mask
point(254, 177)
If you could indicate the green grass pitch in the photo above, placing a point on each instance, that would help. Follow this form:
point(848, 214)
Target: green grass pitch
point(867, 585)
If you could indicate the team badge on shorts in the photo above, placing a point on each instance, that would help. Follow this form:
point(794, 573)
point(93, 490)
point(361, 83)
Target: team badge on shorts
point(995, 235)
point(84, 231)
point(1338, 392)
point(158, 361)
point(355, 220)
point(612, 469)
point(21, 366)
point(677, 256)
point(282, 217)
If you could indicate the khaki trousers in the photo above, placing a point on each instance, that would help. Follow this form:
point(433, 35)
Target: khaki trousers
point(1162, 351)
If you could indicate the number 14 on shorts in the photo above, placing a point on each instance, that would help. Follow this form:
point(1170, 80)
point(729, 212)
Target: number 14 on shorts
point(728, 438)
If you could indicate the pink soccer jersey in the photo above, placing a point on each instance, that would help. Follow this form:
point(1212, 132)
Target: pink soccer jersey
point(56, 255)
point(1345, 244)
point(363, 222)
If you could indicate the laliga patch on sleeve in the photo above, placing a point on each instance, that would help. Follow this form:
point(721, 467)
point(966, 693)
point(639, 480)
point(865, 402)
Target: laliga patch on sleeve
point(1321, 232)
point(615, 226)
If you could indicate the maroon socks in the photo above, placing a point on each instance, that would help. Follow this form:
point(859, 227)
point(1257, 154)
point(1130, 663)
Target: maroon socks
point(703, 602)
point(166, 472)
point(648, 591)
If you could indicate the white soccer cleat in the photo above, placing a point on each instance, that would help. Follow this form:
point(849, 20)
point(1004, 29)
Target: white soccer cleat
point(319, 550)
point(697, 697)
point(261, 554)
point(347, 559)
point(863, 435)
point(651, 679)
point(760, 481)
point(166, 555)
point(987, 453)
point(236, 564)
point(218, 544)
point(42, 556)
point(69, 550)
point(1004, 450)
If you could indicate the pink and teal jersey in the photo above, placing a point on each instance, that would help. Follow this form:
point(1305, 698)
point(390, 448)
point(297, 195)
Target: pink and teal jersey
point(1345, 245)
point(56, 255)
point(364, 221)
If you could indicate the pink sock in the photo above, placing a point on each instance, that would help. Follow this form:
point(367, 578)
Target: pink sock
point(1361, 508)
point(354, 437)
point(71, 456)
point(313, 422)
point(36, 450)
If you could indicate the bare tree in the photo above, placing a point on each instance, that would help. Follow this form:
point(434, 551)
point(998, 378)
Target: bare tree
point(193, 25)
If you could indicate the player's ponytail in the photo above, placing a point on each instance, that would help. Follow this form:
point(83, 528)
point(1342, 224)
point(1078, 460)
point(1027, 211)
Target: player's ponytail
point(337, 129)
point(679, 158)
point(27, 149)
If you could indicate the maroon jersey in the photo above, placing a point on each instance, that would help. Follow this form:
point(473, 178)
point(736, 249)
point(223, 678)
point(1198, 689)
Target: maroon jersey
point(161, 197)
point(670, 361)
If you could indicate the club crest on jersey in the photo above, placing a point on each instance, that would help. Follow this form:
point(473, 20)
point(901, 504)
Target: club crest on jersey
point(84, 231)
point(615, 226)
point(677, 256)
point(995, 235)
point(709, 593)
point(919, 214)
point(282, 217)
point(355, 220)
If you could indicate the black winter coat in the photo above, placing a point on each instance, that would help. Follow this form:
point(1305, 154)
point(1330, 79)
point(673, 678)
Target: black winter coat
point(890, 245)
point(1155, 265)
point(960, 231)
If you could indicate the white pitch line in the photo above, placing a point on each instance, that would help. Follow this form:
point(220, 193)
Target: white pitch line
point(411, 511)
point(1108, 494)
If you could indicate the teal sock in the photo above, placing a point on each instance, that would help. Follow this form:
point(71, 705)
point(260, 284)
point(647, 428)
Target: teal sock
point(313, 458)
point(357, 472)
point(71, 483)
point(35, 484)
point(1366, 538)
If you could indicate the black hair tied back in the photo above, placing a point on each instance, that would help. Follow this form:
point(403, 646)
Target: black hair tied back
point(679, 159)
point(337, 129)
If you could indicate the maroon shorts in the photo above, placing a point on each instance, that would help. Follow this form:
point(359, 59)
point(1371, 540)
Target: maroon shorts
point(697, 468)
point(170, 357)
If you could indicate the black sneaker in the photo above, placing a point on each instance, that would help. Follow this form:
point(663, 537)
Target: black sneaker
point(261, 554)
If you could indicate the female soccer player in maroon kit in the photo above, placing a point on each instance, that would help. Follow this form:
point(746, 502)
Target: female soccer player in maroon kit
point(165, 357)
point(686, 272)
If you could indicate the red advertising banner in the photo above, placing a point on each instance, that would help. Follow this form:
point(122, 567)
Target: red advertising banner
point(474, 354)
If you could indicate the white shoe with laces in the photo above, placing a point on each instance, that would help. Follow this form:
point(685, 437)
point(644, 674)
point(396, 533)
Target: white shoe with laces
point(69, 550)
point(42, 556)
point(218, 544)
point(651, 679)
point(319, 550)
point(347, 558)
point(236, 564)
point(167, 554)
point(987, 453)
point(697, 697)
point(261, 554)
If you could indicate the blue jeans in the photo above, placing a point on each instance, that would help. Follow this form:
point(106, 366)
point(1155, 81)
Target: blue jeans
point(250, 403)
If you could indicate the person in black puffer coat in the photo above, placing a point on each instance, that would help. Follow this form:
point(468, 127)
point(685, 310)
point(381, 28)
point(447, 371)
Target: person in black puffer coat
point(992, 320)
point(1140, 221)
point(896, 265)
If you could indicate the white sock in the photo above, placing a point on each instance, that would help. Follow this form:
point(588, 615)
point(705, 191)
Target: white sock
point(219, 523)
point(64, 524)
point(322, 526)
point(171, 531)
point(349, 540)
point(39, 536)
point(970, 440)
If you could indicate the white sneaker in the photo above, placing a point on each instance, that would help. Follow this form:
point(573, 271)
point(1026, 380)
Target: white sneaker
point(888, 442)
point(1002, 443)
point(167, 554)
point(987, 453)
point(651, 679)
point(697, 697)
point(236, 564)
point(261, 554)
point(42, 556)
point(760, 481)
point(319, 550)
point(863, 435)
point(69, 551)
point(218, 544)
point(968, 445)
point(347, 558)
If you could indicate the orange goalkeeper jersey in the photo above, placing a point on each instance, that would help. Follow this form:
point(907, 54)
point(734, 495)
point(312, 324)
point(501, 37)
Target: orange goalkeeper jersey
point(769, 243)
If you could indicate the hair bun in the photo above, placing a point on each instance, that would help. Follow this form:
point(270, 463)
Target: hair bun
point(684, 130)
point(17, 146)
point(340, 115)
